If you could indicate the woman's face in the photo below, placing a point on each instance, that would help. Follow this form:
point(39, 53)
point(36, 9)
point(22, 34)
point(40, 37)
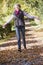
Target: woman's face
point(17, 8)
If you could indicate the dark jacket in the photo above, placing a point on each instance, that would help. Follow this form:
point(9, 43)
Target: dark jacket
point(19, 18)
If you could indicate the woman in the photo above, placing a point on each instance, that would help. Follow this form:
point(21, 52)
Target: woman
point(20, 24)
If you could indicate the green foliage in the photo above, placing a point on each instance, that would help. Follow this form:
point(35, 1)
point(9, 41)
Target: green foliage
point(5, 31)
point(34, 7)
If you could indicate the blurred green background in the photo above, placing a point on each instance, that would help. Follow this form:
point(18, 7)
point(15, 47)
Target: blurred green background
point(34, 7)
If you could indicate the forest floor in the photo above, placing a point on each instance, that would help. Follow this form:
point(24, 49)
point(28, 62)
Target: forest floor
point(33, 55)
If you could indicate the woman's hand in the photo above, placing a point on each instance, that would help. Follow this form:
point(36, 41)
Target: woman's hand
point(37, 18)
point(4, 25)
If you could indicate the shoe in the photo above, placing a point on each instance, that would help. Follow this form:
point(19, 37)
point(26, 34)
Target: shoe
point(25, 48)
point(19, 50)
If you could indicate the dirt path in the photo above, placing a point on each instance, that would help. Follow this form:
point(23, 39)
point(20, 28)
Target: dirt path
point(33, 55)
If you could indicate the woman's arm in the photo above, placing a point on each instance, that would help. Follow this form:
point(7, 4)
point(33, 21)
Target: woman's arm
point(9, 20)
point(30, 16)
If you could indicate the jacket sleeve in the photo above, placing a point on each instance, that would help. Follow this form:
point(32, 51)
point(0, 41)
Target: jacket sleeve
point(28, 15)
point(9, 20)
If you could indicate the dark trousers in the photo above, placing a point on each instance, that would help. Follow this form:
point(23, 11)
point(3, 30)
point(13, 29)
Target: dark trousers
point(22, 30)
